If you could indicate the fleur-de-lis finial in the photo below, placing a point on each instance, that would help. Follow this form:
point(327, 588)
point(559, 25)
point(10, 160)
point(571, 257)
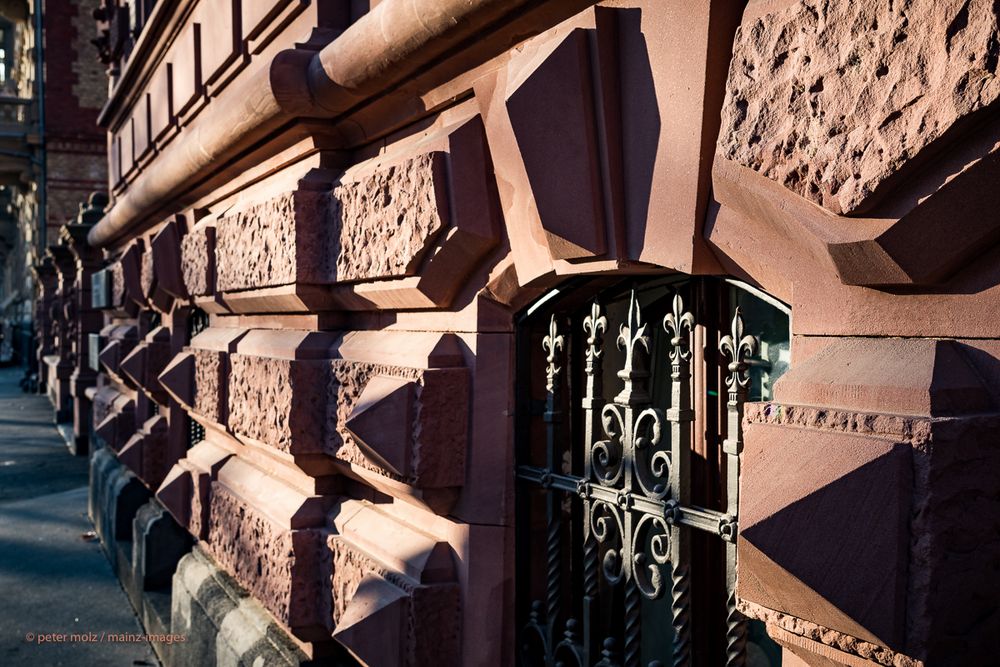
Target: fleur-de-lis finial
point(738, 347)
point(553, 344)
point(679, 325)
point(595, 325)
point(633, 339)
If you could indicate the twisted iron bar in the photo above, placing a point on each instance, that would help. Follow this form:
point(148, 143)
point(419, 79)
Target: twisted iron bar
point(553, 568)
point(736, 634)
point(633, 623)
point(553, 345)
point(591, 566)
point(681, 604)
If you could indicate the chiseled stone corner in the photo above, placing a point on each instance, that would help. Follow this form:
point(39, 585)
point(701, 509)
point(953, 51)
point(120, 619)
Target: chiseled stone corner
point(187, 488)
point(147, 360)
point(131, 276)
point(559, 93)
point(121, 340)
point(399, 419)
point(145, 453)
point(198, 377)
point(395, 598)
point(117, 419)
point(167, 260)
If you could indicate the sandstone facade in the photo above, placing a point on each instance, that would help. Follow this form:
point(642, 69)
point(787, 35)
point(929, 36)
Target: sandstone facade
point(332, 222)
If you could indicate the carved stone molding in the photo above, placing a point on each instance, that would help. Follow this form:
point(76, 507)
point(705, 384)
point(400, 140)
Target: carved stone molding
point(395, 596)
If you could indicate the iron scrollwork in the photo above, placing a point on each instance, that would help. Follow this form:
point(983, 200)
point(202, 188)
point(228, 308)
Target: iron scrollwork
point(635, 491)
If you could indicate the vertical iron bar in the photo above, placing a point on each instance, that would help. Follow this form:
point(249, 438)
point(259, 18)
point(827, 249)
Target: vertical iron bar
point(632, 398)
point(679, 325)
point(737, 347)
point(553, 344)
point(594, 325)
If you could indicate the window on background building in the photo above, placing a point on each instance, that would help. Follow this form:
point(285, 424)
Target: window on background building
point(629, 403)
point(3, 55)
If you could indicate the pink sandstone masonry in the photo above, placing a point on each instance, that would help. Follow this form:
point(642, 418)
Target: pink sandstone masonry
point(825, 98)
point(334, 230)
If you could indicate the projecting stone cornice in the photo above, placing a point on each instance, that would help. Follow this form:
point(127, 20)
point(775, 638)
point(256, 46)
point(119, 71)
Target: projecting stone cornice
point(250, 120)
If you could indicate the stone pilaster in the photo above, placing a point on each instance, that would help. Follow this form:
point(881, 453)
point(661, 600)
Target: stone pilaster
point(88, 319)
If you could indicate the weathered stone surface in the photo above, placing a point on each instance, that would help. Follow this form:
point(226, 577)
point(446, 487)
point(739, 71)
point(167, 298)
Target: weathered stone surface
point(147, 276)
point(223, 625)
point(833, 100)
point(954, 578)
point(282, 568)
point(280, 402)
point(209, 396)
point(117, 285)
point(198, 261)
point(284, 240)
point(388, 218)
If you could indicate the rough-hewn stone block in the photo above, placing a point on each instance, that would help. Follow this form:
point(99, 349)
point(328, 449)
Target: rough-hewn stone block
point(825, 98)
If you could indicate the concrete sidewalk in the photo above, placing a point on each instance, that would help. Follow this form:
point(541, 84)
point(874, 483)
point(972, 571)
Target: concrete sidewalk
point(52, 580)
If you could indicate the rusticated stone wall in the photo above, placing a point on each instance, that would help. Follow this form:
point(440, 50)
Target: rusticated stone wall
point(392, 215)
point(314, 327)
point(824, 98)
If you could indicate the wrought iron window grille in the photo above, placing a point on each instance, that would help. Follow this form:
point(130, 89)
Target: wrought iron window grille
point(198, 321)
point(629, 504)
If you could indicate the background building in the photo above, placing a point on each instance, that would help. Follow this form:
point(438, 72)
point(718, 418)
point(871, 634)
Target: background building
point(51, 153)
point(454, 332)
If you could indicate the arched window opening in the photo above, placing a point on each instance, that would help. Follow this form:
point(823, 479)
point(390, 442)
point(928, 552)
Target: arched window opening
point(630, 396)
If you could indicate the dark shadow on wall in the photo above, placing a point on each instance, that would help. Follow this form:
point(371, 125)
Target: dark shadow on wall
point(640, 125)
